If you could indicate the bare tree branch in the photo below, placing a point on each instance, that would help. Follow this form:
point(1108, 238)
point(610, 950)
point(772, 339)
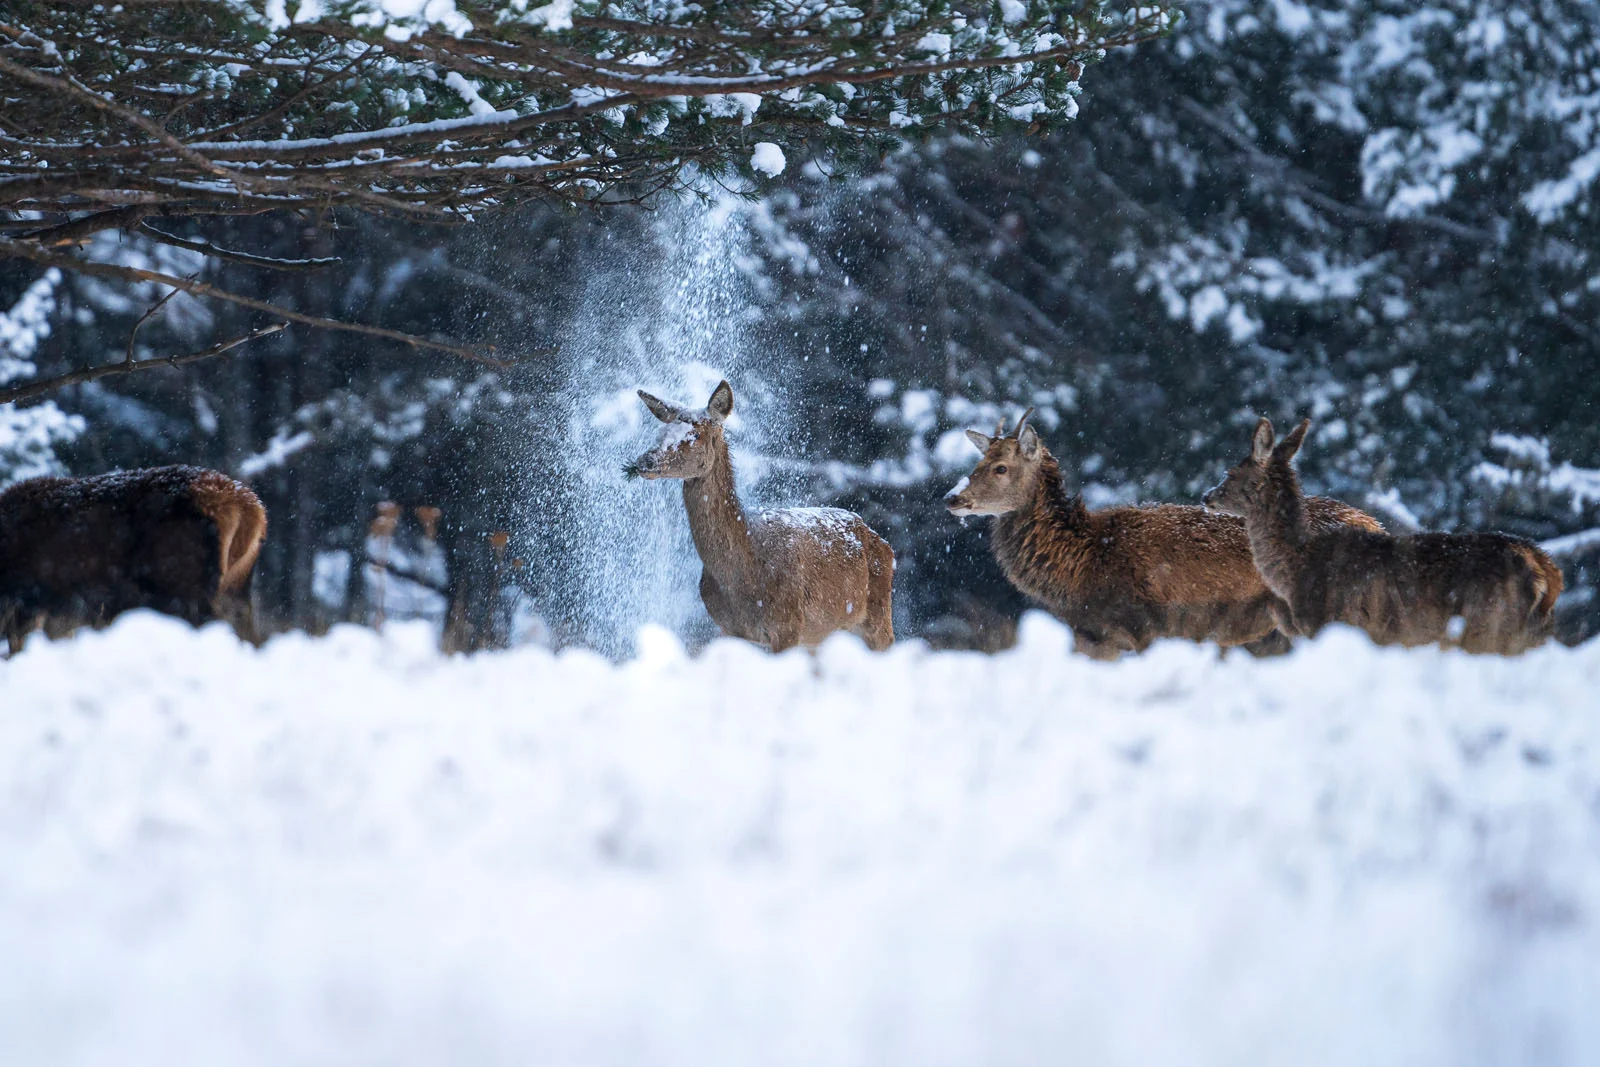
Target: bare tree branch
point(406, 574)
point(199, 288)
point(80, 229)
point(213, 252)
point(29, 390)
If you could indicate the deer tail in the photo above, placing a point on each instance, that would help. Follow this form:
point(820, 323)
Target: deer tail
point(241, 526)
point(1547, 583)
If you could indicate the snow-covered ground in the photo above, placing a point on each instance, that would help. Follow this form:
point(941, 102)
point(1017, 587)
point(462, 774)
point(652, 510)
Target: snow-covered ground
point(353, 851)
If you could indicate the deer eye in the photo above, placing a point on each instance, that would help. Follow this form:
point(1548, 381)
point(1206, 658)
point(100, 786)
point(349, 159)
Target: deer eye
point(1000, 469)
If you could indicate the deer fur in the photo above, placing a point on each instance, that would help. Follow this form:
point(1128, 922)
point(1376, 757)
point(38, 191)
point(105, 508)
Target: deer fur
point(1124, 576)
point(80, 551)
point(1482, 592)
point(781, 577)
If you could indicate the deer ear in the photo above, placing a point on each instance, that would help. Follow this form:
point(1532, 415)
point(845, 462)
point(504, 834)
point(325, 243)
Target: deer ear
point(720, 406)
point(659, 408)
point(1028, 441)
point(983, 441)
point(1261, 443)
point(1292, 441)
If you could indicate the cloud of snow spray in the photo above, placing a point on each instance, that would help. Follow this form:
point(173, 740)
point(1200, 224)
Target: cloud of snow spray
point(672, 324)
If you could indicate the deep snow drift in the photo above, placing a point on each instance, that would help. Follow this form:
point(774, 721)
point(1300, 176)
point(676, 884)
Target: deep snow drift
point(353, 851)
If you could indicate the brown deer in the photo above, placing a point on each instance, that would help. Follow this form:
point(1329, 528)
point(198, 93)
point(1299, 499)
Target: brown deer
point(779, 578)
point(1124, 576)
point(1481, 592)
point(80, 551)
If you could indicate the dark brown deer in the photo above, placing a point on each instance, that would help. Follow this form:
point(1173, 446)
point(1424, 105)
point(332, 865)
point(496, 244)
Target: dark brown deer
point(1482, 592)
point(779, 578)
point(80, 551)
point(1123, 577)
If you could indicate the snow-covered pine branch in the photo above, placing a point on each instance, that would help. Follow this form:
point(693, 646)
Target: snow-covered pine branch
point(445, 109)
point(29, 436)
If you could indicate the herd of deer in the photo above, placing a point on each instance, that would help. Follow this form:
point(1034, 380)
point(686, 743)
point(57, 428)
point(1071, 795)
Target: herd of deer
point(1259, 564)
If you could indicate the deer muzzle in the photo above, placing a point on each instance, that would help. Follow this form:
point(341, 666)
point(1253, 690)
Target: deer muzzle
point(644, 467)
point(957, 501)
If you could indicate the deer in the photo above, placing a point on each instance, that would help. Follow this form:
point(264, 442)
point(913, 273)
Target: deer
point(1122, 577)
point(779, 578)
point(1480, 592)
point(80, 551)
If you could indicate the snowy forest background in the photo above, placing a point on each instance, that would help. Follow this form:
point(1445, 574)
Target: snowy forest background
point(1383, 215)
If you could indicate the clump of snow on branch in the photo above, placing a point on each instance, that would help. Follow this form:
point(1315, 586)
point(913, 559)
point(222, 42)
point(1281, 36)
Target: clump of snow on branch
point(768, 159)
point(30, 435)
point(1524, 470)
point(278, 452)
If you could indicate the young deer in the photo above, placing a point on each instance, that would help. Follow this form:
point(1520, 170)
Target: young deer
point(1409, 590)
point(1124, 576)
point(779, 578)
point(80, 551)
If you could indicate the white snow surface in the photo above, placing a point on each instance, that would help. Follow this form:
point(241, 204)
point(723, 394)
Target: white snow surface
point(353, 850)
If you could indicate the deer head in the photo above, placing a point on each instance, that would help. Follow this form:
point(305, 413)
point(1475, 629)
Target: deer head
point(1238, 492)
point(690, 440)
point(1004, 478)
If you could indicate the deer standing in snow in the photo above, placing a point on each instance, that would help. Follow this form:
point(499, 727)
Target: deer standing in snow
point(781, 577)
point(1124, 576)
point(80, 551)
point(1482, 592)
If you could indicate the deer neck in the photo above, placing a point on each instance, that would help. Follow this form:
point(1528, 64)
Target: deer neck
point(1048, 525)
point(1279, 527)
point(718, 525)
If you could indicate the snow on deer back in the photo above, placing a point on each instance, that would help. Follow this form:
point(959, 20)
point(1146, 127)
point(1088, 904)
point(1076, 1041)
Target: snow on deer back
point(779, 577)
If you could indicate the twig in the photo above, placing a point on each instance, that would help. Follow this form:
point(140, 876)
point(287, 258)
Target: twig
point(38, 388)
point(77, 230)
point(207, 249)
point(408, 575)
point(138, 274)
point(133, 334)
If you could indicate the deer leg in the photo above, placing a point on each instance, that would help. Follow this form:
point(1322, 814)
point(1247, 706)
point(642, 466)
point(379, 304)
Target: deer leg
point(1283, 618)
point(782, 640)
point(878, 631)
point(11, 624)
point(1276, 643)
point(239, 613)
point(1105, 647)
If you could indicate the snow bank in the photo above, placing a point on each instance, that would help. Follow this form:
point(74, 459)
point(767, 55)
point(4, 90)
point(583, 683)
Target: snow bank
point(353, 851)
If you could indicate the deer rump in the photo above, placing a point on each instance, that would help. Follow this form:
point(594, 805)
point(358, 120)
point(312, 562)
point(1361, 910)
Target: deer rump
point(1482, 592)
point(1123, 577)
point(80, 551)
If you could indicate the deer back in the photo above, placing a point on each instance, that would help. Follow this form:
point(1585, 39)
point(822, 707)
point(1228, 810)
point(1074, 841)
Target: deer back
point(82, 550)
